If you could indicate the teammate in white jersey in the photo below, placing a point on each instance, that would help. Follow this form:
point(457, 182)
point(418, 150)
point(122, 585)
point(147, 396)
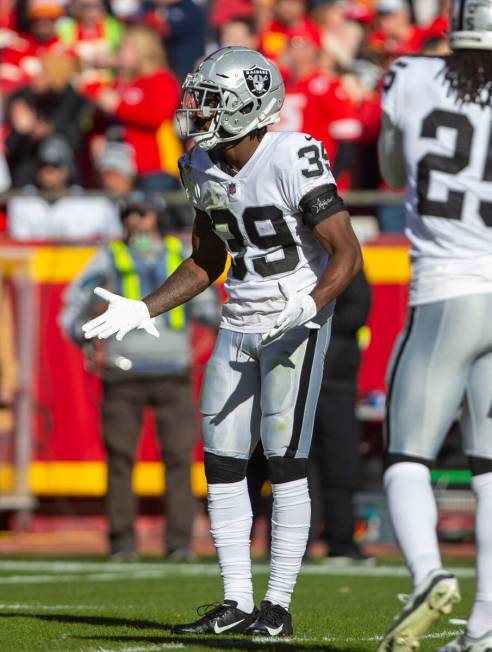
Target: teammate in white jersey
point(268, 200)
point(437, 139)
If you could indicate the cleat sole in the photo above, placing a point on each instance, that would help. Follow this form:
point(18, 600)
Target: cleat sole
point(405, 637)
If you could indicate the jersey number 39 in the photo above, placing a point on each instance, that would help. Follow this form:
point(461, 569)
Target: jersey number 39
point(280, 238)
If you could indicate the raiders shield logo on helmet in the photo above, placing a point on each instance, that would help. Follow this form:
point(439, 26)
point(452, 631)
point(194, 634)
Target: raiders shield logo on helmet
point(258, 80)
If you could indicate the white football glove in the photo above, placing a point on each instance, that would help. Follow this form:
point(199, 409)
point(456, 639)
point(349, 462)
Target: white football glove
point(299, 309)
point(122, 316)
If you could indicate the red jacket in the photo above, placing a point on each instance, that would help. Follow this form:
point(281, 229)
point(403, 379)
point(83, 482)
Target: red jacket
point(20, 63)
point(381, 42)
point(275, 38)
point(146, 111)
point(320, 106)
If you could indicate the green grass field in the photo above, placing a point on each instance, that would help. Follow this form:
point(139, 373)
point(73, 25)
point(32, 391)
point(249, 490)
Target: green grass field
point(92, 606)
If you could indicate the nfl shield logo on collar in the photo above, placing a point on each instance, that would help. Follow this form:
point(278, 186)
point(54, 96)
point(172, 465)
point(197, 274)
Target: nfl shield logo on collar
point(231, 188)
point(258, 80)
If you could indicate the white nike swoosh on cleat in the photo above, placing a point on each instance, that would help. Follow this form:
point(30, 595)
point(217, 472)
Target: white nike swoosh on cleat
point(219, 630)
point(274, 632)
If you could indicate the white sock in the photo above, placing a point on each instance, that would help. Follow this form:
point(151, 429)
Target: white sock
point(230, 525)
point(290, 528)
point(413, 512)
point(481, 617)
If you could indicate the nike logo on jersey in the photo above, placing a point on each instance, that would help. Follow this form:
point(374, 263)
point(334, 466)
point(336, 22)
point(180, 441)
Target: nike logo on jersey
point(274, 631)
point(219, 630)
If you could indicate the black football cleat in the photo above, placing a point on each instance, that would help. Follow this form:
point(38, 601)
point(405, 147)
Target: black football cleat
point(218, 619)
point(271, 620)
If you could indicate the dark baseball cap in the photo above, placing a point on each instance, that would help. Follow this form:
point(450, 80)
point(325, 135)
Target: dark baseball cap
point(141, 201)
point(56, 151)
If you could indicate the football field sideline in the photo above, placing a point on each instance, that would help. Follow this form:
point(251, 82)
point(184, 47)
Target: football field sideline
point(111, 571)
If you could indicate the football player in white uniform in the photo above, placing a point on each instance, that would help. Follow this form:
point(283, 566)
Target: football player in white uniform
point(268, 200)
point(437, 139)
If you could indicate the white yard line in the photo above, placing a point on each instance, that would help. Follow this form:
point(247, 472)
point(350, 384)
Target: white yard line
point(15, 606)
point(110, 571)
point(148, 648)
point(76, 566)
point(374, 639)
point(89, 577)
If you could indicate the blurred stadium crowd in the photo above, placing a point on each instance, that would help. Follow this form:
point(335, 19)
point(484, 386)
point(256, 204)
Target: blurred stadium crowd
point(89, 90)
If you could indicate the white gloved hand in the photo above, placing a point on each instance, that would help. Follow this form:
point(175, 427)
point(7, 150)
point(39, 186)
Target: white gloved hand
point(299, 309)
point(122, 316)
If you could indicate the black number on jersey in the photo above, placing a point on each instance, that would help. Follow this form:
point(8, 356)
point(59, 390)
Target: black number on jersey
point(221, 217)
point(452, 208)
point(281, 237)
point(486, 207)
point(313, 154)
point(391, 75)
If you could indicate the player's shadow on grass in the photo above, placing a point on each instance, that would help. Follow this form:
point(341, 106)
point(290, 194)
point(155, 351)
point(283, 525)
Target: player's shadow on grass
point(212, 642)
point(105, 621)
point(222, 642)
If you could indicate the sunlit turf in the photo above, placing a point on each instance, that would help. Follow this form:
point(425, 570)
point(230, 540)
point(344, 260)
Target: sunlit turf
point(90, 605)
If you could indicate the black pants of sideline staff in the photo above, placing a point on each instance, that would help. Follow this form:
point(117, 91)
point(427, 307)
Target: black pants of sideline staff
point(123, 409)
point(334, 466)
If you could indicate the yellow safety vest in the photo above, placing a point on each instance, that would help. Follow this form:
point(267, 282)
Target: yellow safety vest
point(130, 281)
point(112, 31)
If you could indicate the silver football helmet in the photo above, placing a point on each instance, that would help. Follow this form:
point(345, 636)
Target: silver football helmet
point(234, 91)
point(471, 25)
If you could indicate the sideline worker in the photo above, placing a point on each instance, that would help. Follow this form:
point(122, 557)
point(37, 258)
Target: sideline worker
point(142, 371)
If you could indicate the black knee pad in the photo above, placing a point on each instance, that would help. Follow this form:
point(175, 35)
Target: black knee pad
point(395, 458)
point(286, 469)
point(223, 470)
point(480, 465)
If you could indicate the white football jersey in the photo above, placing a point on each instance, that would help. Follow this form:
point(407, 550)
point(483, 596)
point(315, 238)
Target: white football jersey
point(447, 147)
point(257, 215)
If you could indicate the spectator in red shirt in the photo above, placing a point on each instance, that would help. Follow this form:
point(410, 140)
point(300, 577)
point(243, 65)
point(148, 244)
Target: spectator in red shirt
point(144, 102)
point(340, 37)
point(21, 60)
point(93, 36)
point(290, 19)
point(395, 33)
point(316, 102)
point(90, 31)
point(239, 31)
point(7, 23)
point(224, 11)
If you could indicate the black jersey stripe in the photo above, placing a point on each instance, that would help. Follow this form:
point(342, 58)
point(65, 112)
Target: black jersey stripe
point(299, 409)
point(410, 325)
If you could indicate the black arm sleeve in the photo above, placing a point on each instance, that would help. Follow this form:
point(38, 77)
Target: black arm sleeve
point(320, 203)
